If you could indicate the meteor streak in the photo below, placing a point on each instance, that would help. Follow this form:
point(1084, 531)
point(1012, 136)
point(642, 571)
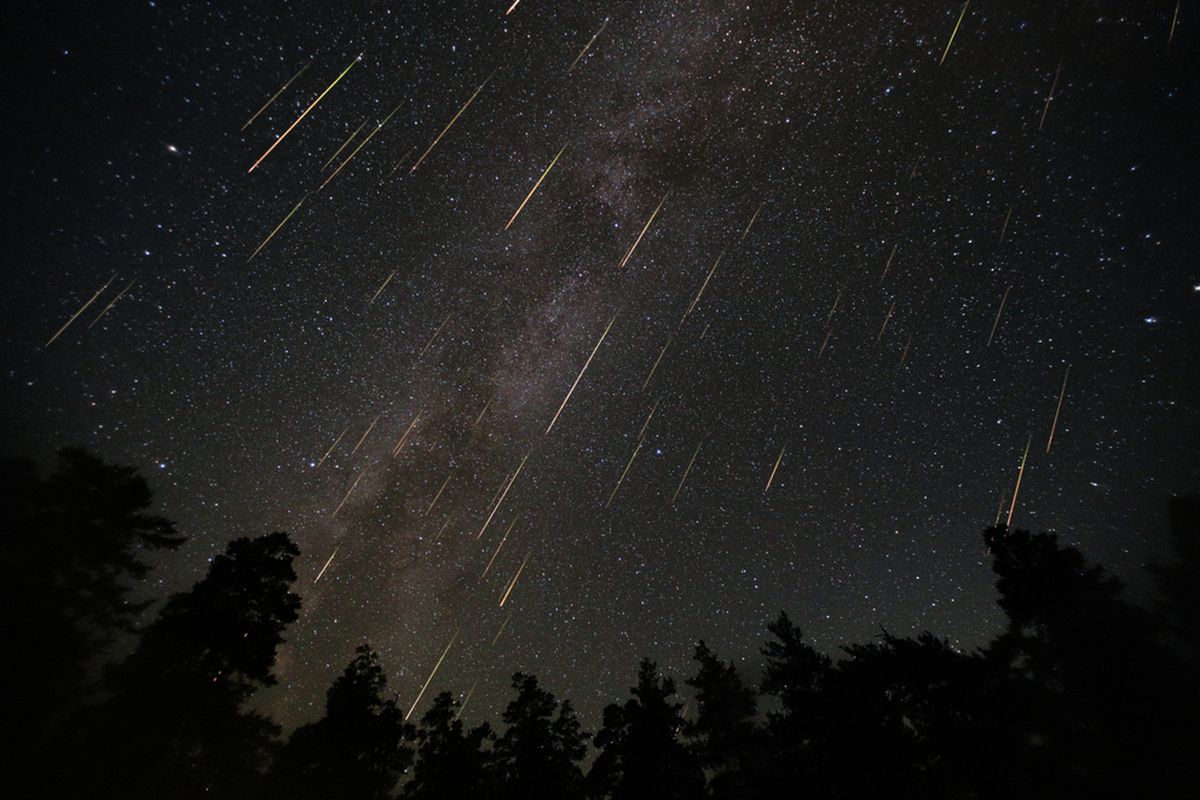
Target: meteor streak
point(1061, 393)
point(1004, 227)
point(954, 32)
point(486, 406)
point(348, 492)
point(400, 444)
point(441, 530)
point(278, 227)
point(704, 285)
point(430, 678)
point(331, 447)
point(825, 343)
point(750, 224)
point(311, 106)
point(645, 228)
point(999, 311)
point(510, 8)
point(497, 552)
point(466, 699)
point(1170, 36)
point(361, 145)
point(534, 189)
point(642, 432)
point(400, 163)
point(439, 493)
point(1050, 96)
point(113, 302)
point(904, 355)
point(775, 469)
point(366, 433)
point(275, 96)
point(512, 584)
point(382, 286)
point(686, 472)
point(886, 320)
point(836, 300)
point(449, 125)
point(327, 563)
point(503, 625)
point(661, 353)
point(596, 35)
point(888, 265)
point(580, 375)
point(1016, 490)
point(628, 464)
point(503, 494)
point(82, 308)
point(349, 139)
point(435, 335)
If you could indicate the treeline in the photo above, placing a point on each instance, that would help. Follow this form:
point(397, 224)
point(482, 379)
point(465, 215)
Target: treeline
point(1081, 695)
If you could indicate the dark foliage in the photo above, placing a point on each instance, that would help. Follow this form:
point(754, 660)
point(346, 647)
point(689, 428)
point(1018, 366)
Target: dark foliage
point(451, 761)
point(541, 749)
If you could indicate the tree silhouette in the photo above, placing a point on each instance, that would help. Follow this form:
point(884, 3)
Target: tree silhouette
point(539, 753)
point(724, 734)
point(451, 761)
point(359, 749)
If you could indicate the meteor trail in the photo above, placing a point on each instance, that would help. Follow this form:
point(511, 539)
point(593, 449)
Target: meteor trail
point(1050, 96)
point(510, 8)
point(886, 320)
point(999, 311)
point(382, 286)
point(836, 300)
point(430, 678)
point(775, 469)
point(750, 224)
point(113, 302)
point(580, 375)
point(596, 35)
point(466, 699)
point(825, 343)
point(497, 552)
point(1061, 393)
point(433, 502)
point(513, 583)
point(503, 494)
point(686, 472)
point(400, 163)
point(704, 285)
point(400, 444)
point(661, 353)
point(642, 432)
point(348, 492)
point(82, 308)
point(534, 189)
point(278, 227)
point(331, 447)
point(904, 355)
point(486, 406)
point(1170, 36)
point(366, 433)
point(888, 265)
point(503, 625)
point(1004, 227)
point(361, 145)
point(1016, 490)
point(645, 228)
point(628, 464)
point(441, 530)
point(449, 125)
point(349, 139)
point(311, 106)
point(275, 96)
point(327, 563)
point(435, 335)
point(954, 32)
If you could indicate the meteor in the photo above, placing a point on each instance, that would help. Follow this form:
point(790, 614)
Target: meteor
point(466, 699)
point(449, 125)
point(1016, 490)
point(327, 563)
point(400, 163)
point(400, 444)
point(497, 552)
point(382, 286)
point(704, 286)
point(954, 32)
point(503, 625)
point(441, 530)
point(82, 308)
point(503, 494)
point(430, 678)
point(361, 145)
point(999, 311)
point(886, 320)
point(750, 225)
point(1174, 19)
point(775, 469)
point(645, 228)
point(837, 299)
point(904, 355)
point(366, 433)
point(686, 472)
point(888, 265)
point(486, 406)
point(705, 331)
point(113, 302)
point(825, 343)
point(278, 227)
point(275, 96)
point(1004, 227)
point(534, 189)
point(439, 493)
point(349, 139)
point(331, 447)
point(435, 335)
point(642, 432)
point(513, 583)
point(628, 464)
point(661, 353)
point(580, 375)
point(596, 35)
point(1050, 96)
point(510, 8)
point(1061, 393)
point(348, 493)
point(311, 106)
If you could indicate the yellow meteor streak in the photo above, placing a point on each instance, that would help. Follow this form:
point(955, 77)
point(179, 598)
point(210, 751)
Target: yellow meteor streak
point(1016, 490)
point(113, 302)
point(366, 433)
point(513, 583)
point(1061, 393)
point(400, 444)
point(349, 492)
point(435, 335)
point(1174, 19)
point(837, 299)
point(486, 406)
point(510, 8)
point(750, 225)
point(621, 480)
point(382, 286)
point(904, 355)
point(650, 416)
point(311, 106)
point(645, 228)
point(327, 563)
point(441, 530)
point(1050, 96)
point(580, 375)
point(999, 509)
point(82, 308)
point(449, 125)
point(503, 494)
point(775, 469)
point(400, 163)
point(361, 145)
point(705, 331)
point(999, 311)
point(502, 541)
point(825, 343)
point(331, 447)
point(275, 96)
point(886, 320)
point(954, 32)
point(686, 472)
point(596, 35)
point(1004, 227)
point(349, 139)
point(466, 699)
point(661, 353)
point(888, 265)
point(704, 285)
point(430, 678)
point(439, 493)
point(534, 189)
point(278, 227)
point(503, 625)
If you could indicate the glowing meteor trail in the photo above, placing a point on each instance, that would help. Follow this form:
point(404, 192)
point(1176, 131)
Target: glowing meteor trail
point(497, 551)
point(1058, 410)
point(382, 286)
point(661, 353)
point(361, 145)
point(704, 285)
point(1050, 96)
point(434, 337)
point(888, 265)
point(836, 300)
point(645, 228)
point(954, 32)
point(503, 494)
point(999, 311)
point(449, 125)
point(1004, 227)
point(621, 480)
point(311, 106)
point(650, 416)
point(510, 8)
point(1017, 489)
point(428, 680)
point(433, 502)
point(886, 320)
point(750, 224)
point(513, 583)
point(596, 35)
point(275, 96)
point(327, 563)
point(486, 406)
point(1171, 35)
point(534, 189)
point(349, 492)
point(346, 143)
point(82, 308)
point(686, 472)
point(580, 375)
point(466, 699)
point(904, 355)
point(441, 530)
point(113, 302)
point(775, 469)
point(825, 342)
point(503, 625)
point(400, 444)
point(278, 227)
point(366, 433)
point(331, 448)
point(400, 163)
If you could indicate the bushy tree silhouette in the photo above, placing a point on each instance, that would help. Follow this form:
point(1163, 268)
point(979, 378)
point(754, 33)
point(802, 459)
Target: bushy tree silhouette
point(539, 753)
point(724, 734)
point(451, 761)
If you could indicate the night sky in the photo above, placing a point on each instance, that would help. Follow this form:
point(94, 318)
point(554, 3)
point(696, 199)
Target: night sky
point(873, 198)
